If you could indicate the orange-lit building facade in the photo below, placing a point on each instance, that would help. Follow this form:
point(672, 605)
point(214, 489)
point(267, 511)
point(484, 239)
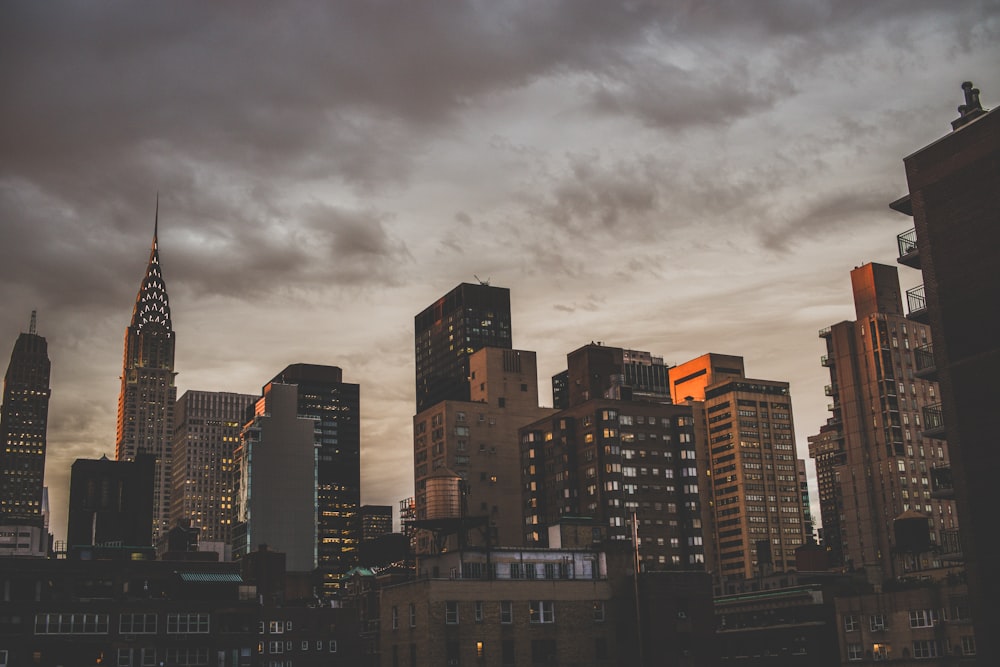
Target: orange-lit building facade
point(750, 465)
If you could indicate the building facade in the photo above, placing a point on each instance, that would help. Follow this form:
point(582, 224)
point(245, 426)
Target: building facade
point(886, 454)
point(111, 502)
point(448, 331)
point(612, 460)
point(953, 200)
point(275, 491)
point(207, 428)
point(376, 520)
point(335, 405)
point(23, 427)
point(601, 371)
point(751, 463)
point(147, 397)
point(476, 441)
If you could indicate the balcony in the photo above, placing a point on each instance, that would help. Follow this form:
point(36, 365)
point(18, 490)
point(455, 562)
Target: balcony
point(830, 390)
point(908, 253)
point(933, 421)
point(825, 332)
point(942, 485)
point(917, 302)
point(923, 358)
point(833, 407)
point(826, 361)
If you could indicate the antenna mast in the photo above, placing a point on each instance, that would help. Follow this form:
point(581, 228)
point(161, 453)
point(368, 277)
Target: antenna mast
point(34, 319)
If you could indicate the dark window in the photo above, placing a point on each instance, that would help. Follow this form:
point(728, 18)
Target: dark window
point(543, 652)
point(507, 653)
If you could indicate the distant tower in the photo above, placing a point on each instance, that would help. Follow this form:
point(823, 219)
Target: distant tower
point(749, 449)
point(23, 421)
point(206, 432)
point(447, 332)
point(877, 454)
point(324, 396)
point(148, 394)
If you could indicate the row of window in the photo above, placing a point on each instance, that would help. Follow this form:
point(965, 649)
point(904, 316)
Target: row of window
point(129, 624)
point(539, 611)
point(278, 647)
point(920, 649)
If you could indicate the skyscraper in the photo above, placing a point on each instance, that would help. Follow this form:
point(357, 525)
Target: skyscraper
point(276, 483)
point(23, 421)
point(750, 460)
point(335, 405)
point(207, 428)
point(148, 394)
point(448, 331)
point(881, 466)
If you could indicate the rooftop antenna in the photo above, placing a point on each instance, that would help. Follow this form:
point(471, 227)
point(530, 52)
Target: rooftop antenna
point(34, 319)
point(484, 283)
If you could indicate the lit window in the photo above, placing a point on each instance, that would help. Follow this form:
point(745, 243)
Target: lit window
point(541, 611)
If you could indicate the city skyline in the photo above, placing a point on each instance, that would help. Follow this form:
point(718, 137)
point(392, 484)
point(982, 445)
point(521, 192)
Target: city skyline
point(631, 177)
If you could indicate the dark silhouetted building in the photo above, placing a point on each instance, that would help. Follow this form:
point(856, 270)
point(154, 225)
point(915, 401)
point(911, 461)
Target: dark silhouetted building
point(111, 503)
point(207, 428)
point(955, 207)
point(148, 394)
point(335, 406)
point(23, 423)
point(376, 520)
point(600, 371)
point(447, 332)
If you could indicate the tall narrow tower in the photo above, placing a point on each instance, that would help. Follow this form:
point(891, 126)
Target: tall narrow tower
point(148, 394)
point(447, 332)
point(23, 421)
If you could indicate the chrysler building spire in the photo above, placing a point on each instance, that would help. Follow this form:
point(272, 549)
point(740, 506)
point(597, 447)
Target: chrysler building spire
point(148, 393)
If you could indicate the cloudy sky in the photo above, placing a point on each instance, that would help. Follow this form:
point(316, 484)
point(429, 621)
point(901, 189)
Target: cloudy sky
point(678, 177)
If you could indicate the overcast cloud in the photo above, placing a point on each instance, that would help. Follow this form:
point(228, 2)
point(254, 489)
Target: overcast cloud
point(677, 177)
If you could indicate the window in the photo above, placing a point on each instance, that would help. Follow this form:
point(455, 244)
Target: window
point(855, 652)
point(507, 653)
point(451, 612)
point(274, 627)
point(187, 624)
point(876, 622)
point(850, 623)
point(71, 624)
point(506, 612)
point(187, 656)
point(395, 618)
point(541, 611)
point(305, 646)
point(968, 645)
point(880, 651)
point(137, 624)
point(333, 646)
point(480, 649)
point(922, 618)
point(276, 647)
point(543, 652)
point(479, 611)
point(413, 615)
point(598, 611)
point(925, 648)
